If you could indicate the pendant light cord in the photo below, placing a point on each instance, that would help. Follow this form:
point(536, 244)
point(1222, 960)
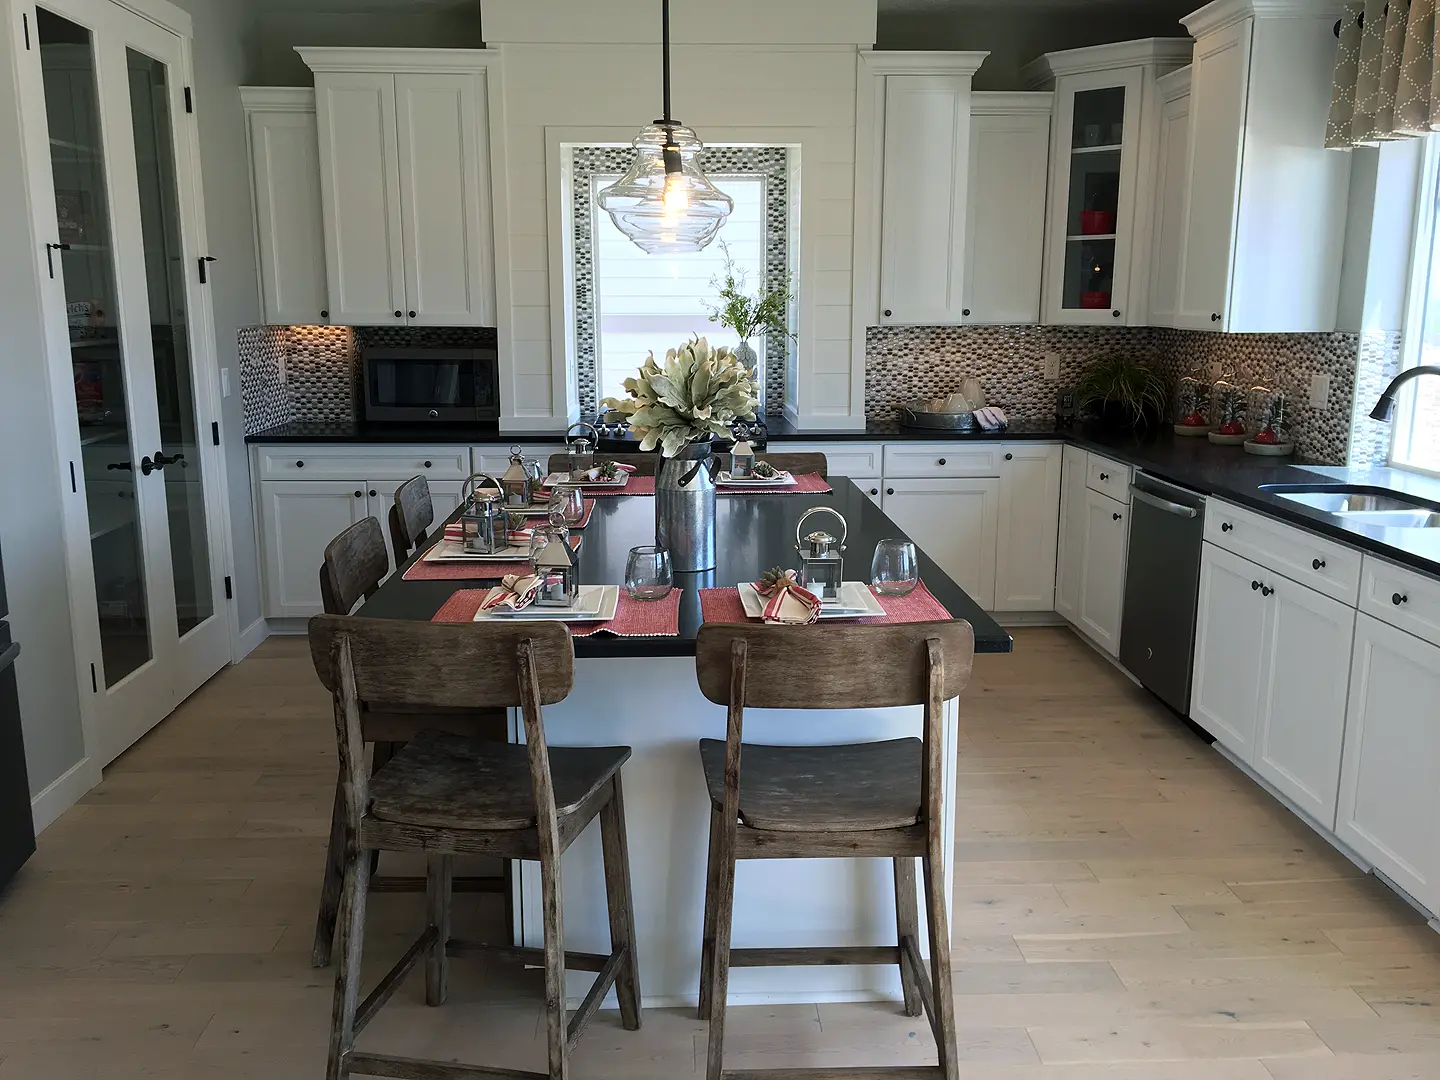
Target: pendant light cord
point(665, 49)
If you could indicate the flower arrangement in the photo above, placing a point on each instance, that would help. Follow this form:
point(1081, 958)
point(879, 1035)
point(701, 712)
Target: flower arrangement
point(766, 312)
point(695, 396)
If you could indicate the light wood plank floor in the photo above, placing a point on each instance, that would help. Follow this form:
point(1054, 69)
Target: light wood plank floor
point(1128, 908)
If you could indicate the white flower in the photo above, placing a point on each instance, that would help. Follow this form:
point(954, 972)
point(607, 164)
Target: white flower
point(696, 394)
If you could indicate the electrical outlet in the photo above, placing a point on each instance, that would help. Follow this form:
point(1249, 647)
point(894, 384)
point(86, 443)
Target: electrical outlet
point(224, 382)
point(1320, 392)
point(1052, 367)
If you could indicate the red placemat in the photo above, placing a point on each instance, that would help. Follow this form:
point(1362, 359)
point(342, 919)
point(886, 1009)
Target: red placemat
point(633, 618)
point(723, 606)
point(637, 485)
point(421, 570)
point(805, 484)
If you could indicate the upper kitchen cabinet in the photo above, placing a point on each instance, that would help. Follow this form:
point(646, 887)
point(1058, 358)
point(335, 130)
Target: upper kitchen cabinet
point(285, 185)
point(1005, 232)
point(405, 185)
point(1172, 179)
point(1266, 202)
point(920, 113)
point(1097, 247)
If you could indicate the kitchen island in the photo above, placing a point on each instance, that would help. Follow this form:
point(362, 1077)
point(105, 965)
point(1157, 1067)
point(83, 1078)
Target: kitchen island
point(641, 692)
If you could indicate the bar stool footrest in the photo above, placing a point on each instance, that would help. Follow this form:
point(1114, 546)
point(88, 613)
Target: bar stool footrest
point(418, 1069)
point(880, 1072)
point(817, 956)
point(574, 961)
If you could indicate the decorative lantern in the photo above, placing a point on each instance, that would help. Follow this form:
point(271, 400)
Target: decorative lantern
point(822, 569)
point(518, 484)
point(742, 461)
point(484, 524)
point(580, 451)
point(558, 568)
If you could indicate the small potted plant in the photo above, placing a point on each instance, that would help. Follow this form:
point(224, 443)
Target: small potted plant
point(1230, 412)
point(1122, 392)
point(1192, 405)
point(766, 312)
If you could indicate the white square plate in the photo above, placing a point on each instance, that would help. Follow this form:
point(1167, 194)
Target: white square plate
point(783, 480)
point(453, 551)
point(596, 603)
point(856, 601)
point(562, 479)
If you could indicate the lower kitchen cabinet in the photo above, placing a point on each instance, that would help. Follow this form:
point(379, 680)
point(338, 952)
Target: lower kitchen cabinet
point(1272, 665)
point(1029, 511)
point(297, 519)
point(1070, 565)
point(1106, 540)
point(1389, 799)
point(956, 522)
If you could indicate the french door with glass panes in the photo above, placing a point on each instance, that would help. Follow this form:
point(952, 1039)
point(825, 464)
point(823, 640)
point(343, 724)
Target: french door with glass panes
point(114, 194)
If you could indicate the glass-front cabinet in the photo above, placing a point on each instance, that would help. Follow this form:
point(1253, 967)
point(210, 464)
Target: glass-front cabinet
point(1102, 159)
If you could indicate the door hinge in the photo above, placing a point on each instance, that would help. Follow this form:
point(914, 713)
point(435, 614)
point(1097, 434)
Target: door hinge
point(189, 101)
point(73, 489)
point(215, 432)
point(204, 272)
point(25, 22)
point(229, 590)
point(94, 682)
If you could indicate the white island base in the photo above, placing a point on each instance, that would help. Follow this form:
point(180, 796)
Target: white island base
point(654, 706)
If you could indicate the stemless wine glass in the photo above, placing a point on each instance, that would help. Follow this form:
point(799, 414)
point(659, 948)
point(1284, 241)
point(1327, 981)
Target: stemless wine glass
point(894, 571)
point(647, 573)
point(566, 506)
point(544, 533)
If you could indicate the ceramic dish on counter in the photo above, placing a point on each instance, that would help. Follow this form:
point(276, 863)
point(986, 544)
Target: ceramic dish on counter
point(783, 479)
point(596, 603)
point(855, 601)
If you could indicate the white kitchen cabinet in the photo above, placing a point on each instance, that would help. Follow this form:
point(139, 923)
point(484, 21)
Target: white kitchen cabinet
point(1102, 579)
point(954, 521)
point(495, 457)
point(1029, 527)
point(285, 186)
point(1265, 220)
point(1097, 248)
point(405, 169)
point(1172, 176)
point(297, 519)
point(1229, 650)
point(1070, 564)
point(1389, 800)
point(1009, 165)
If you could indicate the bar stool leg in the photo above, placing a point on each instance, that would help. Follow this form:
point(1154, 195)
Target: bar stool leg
point(331, 887)
point(554, 920)
point(616, 850)
point(347, 975)
point(943, 1024)
point(707, 940)
point(438, 885)
point(720, 962)
point(907, 925)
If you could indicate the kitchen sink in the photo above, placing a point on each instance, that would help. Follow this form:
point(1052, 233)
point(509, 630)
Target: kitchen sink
point(1357, 502)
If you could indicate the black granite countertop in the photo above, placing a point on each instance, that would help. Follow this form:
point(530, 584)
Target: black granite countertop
point(753, 532)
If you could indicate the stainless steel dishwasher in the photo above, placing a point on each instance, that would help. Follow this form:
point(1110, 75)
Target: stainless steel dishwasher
point(1162, 585)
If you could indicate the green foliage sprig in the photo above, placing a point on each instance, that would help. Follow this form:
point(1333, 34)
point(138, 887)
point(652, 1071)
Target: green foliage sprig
point(767, 311)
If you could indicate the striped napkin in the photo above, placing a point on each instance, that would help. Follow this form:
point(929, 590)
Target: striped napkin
point(515, 591)
point(786, 602)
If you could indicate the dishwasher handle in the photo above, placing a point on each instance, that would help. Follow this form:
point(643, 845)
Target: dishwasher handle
point(1163, 504)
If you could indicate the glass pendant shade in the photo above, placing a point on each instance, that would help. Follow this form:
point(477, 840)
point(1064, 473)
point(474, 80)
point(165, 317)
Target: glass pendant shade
point(665, 203)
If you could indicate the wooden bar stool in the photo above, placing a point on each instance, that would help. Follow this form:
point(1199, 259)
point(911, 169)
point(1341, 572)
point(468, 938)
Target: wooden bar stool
point(798, 464)
point(411, 516)
point(354, 565)
point(445, 795)
point(867, 800)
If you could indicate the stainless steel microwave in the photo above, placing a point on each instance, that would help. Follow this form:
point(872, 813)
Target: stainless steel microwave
point(415, 385)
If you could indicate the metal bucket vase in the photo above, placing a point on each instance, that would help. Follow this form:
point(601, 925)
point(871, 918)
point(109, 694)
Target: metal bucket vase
point(685, 508)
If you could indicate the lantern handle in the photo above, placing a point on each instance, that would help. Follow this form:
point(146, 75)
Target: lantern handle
point(844, 525)
point(595, 443)
point(472, 489)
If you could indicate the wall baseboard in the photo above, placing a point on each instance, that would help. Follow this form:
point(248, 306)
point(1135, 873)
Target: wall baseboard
point(250, 639)
point(64, 792)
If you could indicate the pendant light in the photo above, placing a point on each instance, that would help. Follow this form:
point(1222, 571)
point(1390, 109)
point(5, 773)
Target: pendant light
point(665, 203)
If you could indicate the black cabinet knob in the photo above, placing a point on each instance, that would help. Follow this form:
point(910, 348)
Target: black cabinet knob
point(1254, 586)
point(1225, 526)
point(1104, 476)
point(888, 313)
point(940, 462)
point(965, 312)
point(1215, 316)
point(299, 464)
point(1399, 598)
point(1009, 457)
point(1114, 517)
point(889, 491)
point(874, 491)
point(1265, 590)
point(359, 494)
point(399, 314)
point(324, 314)
point(1115, 314)
point(373, 493)
point(1318, 564)
point(428, 465)
point(412, 314)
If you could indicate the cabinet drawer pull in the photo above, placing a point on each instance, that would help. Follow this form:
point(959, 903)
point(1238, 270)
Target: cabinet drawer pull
point(1009, 457)
point(1318, 564)
point(1104, 476)
point(940, 462)
point(1114, 517)
point(1399, 598)
point(1225, 526)
point(428, 465)
point(299, 464)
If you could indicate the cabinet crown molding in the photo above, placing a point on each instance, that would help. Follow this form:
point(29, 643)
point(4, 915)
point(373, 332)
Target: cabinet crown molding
point(1176, 84)
point(399, 61)
point(1222, 13)
point(923, 63)
point(299, 99)
point(1145, 52)
point(1012, 102)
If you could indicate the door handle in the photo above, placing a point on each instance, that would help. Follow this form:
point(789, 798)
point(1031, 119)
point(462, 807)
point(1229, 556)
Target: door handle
point(146, 466)
point(120, 466)
point(1163, 504)
point(50, 250)
point(161, 460)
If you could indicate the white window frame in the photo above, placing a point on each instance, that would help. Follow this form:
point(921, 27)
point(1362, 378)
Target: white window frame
point(1412, 335)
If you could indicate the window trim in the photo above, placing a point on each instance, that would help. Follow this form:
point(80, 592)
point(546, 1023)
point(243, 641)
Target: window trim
point(1412, 334)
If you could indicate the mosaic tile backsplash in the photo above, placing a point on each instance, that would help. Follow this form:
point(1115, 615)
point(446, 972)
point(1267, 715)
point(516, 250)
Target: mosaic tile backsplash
point(913, 362)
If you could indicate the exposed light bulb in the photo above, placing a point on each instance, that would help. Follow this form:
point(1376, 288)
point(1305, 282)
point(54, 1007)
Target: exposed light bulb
point(677, 193)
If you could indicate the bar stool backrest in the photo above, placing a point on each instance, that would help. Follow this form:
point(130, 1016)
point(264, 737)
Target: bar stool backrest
point(354, 565)
point(411, 515)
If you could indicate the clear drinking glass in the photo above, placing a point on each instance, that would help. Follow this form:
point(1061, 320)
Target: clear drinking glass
point(647, 573)
point(894, 571)
point(544, 533)
point(567, 506)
